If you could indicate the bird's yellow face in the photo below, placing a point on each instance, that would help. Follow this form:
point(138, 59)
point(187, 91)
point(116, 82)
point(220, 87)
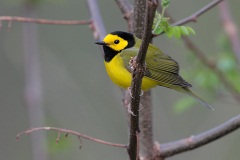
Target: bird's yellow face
point(115, 42)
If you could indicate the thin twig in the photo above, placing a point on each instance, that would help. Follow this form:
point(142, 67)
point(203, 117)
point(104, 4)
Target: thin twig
point(43, 21)
point(99, 31)
point(127, 11)
point(137, 75)
point(193, 142)
point(58, 137)
point(210, 64)
point(80, 141)
point(193, 17)
point(61, 130)
point(230, 28)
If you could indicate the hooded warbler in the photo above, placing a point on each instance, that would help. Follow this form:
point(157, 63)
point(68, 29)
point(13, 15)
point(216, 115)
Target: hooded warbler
point(161, 70)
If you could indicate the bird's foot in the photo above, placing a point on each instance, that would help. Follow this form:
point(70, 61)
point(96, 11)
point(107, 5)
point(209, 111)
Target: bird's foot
point(129, 91)
point(129, 110)
point(133, 63)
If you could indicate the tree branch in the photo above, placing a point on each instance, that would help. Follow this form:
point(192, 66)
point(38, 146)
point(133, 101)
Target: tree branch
point(43, 21)
point(201, 56)
point(212, 66)
point(230, 28)
point(61, 130)
point(99, 31)
point(138, 65)
point(193, 17)
point(193, 142)
point(127, 11)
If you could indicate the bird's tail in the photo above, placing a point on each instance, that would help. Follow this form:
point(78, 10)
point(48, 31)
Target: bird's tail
point(192, 94)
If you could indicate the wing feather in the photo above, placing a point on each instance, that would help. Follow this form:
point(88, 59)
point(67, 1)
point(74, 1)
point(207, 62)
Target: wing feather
point(160, 67)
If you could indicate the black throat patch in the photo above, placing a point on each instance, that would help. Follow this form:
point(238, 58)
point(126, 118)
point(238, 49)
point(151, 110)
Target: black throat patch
point(109, 53)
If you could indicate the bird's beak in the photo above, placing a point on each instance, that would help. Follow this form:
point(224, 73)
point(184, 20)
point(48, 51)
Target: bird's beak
point(101, 43)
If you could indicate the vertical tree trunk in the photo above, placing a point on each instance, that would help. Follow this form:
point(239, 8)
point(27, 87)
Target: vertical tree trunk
point(145, 123)
point(33, 86)
point(145, 114)
point(139, 17)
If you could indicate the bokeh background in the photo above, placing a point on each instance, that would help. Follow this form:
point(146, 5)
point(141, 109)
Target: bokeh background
point(72, 90)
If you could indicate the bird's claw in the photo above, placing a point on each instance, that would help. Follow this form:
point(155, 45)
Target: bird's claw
point(133, 63)
point(129, 91)
point(130, 111)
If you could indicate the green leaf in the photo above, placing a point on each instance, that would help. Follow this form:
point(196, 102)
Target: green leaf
point(160, 24)
point(176, 31)
point(157, 31)
point(156, 28)
point(184, 30)
point(165, 3)
point(183, 104)
point(190, 30)
point(156, 20)
point(169, 32)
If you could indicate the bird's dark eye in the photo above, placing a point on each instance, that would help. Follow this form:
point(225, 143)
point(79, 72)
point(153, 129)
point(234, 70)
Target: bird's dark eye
point(116, 41)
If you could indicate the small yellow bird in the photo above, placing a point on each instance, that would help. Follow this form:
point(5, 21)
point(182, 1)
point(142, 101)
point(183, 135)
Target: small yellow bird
point(161, 70)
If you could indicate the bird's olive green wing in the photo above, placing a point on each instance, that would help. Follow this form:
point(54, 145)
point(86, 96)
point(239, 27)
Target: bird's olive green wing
point(160, 67)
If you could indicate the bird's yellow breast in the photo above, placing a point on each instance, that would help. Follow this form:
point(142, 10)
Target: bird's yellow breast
point(122, 77)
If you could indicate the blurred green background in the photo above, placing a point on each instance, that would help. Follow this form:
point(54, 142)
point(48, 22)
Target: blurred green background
point(76, 93)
